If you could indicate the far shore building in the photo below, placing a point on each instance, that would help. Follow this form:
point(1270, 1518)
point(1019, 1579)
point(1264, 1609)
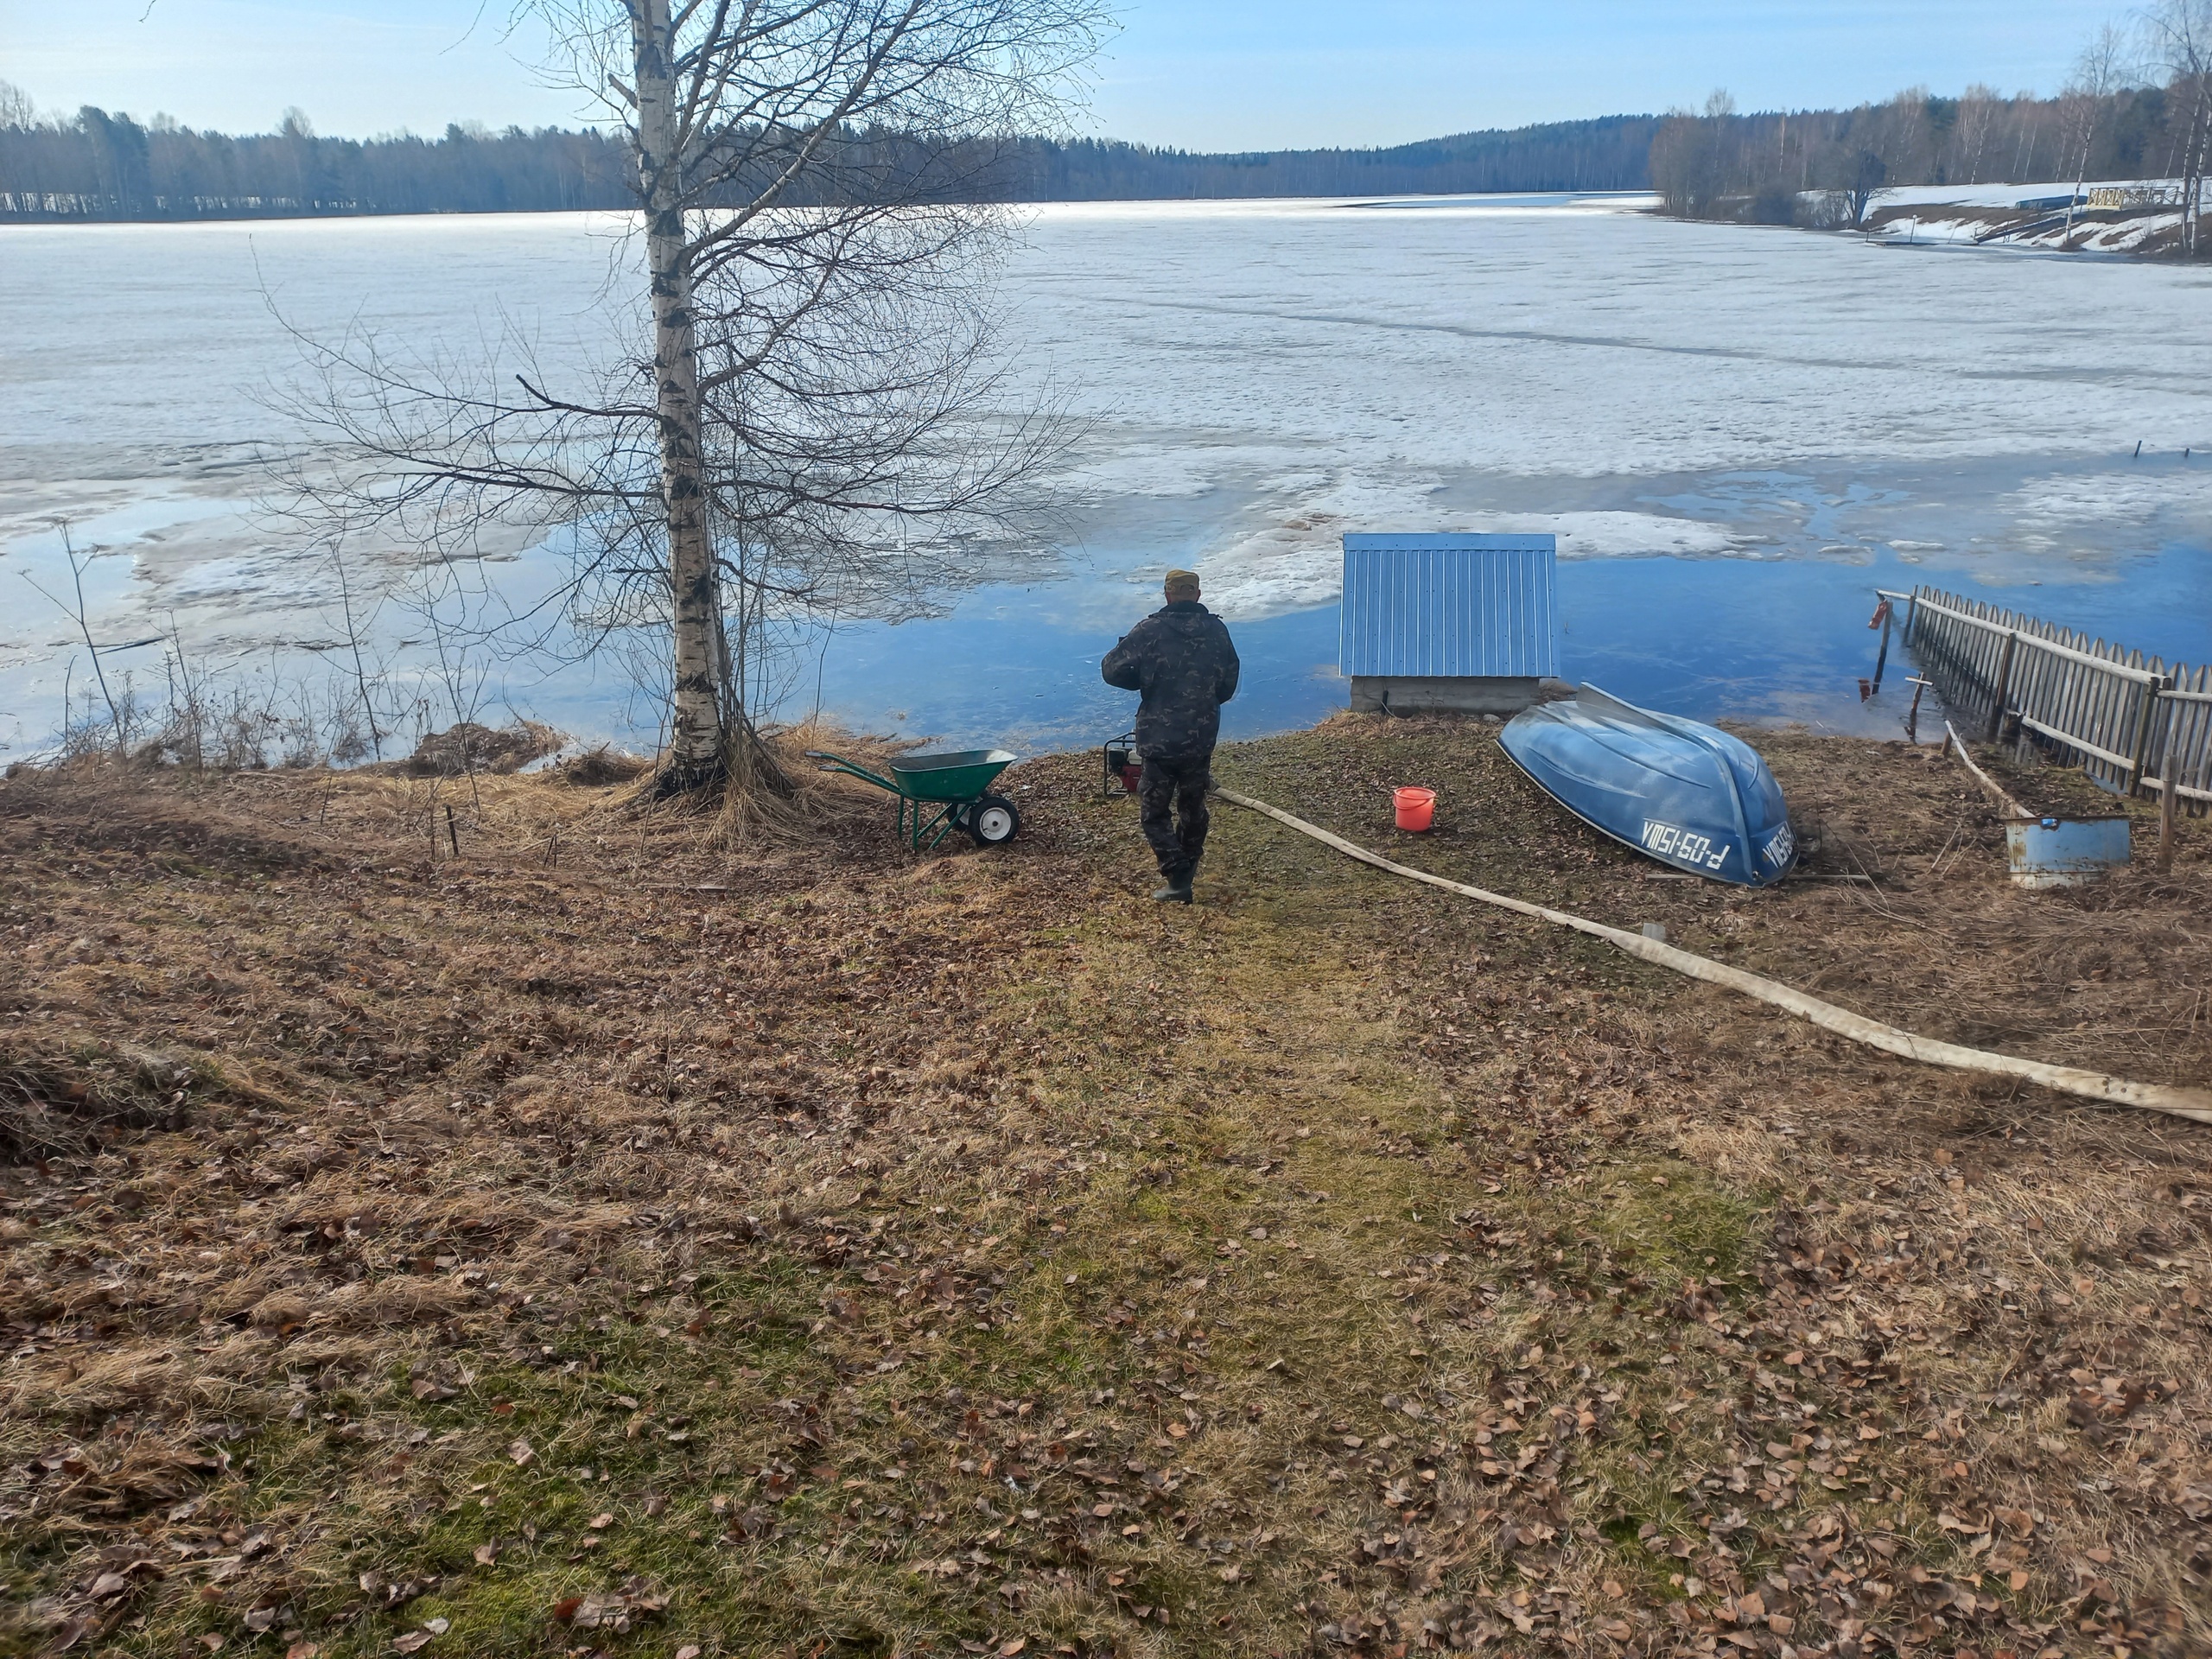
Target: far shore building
point(1445, 624)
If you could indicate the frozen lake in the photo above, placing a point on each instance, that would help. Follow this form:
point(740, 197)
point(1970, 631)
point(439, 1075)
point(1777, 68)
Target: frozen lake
point(1736, 434)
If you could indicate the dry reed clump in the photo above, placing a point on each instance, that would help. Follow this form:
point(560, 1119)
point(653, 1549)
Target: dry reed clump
point(466, 749)
point(804, 800)
point(87, 1386)
point(119, 1477)
point(57, 1099)
point(600, 768)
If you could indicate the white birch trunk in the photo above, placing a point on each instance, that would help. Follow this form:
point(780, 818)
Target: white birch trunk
point(2080, 178)
point(2193, 180)
point(696, 744)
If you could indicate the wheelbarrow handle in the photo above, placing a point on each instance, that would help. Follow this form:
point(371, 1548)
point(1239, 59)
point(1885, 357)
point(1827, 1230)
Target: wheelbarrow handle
point(839, 764)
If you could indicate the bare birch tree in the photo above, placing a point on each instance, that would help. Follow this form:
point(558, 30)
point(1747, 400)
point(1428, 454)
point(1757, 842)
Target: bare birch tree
point(2179, 36)
point(2084, 103)
point(1977, 108)
point(816, 369)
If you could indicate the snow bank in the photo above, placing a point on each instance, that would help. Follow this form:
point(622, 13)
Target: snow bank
point(1292, 562)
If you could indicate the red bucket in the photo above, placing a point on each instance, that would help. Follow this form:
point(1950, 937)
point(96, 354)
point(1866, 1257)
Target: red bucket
point(1417, 809)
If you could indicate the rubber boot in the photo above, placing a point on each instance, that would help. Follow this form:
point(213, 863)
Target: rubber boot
point(1178, 890)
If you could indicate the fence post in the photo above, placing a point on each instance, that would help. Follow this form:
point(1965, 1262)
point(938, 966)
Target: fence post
point(2147, 710)
point(2166, 793)
point(2003, 686)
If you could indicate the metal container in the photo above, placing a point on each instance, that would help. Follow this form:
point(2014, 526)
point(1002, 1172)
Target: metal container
point(1434, 623)
point(2064, 852)
point(1450, 606)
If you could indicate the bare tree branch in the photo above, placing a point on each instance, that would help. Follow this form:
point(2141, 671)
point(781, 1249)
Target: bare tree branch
point(816, 376)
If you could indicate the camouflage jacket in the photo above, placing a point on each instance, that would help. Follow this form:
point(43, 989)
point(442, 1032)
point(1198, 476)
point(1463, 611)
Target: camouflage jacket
point(1180, 658)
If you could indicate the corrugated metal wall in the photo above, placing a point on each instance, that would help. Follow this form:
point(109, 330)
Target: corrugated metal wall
point(1450, 606)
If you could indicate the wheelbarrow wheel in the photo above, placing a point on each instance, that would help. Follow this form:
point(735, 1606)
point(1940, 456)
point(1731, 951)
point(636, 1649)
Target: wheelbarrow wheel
point(992, 822)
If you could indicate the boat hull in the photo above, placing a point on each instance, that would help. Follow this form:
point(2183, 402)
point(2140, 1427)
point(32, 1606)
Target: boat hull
point(1685, 794)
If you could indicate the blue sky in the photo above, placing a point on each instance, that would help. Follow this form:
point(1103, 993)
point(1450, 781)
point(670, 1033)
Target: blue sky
point(1211, 74)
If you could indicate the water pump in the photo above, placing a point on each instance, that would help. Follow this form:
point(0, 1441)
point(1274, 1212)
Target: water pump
point(1119, 764)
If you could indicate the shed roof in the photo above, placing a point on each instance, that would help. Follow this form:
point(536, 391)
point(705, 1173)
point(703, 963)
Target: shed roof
point(1456, 605)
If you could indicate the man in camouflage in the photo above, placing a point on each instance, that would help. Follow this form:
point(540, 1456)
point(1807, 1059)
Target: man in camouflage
point(1180, 658)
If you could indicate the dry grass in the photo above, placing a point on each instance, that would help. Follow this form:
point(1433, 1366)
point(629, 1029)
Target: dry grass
point(54, 1102)
point(805, 1248)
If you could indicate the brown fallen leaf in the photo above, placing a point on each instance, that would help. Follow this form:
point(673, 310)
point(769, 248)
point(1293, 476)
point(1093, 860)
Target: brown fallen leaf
point(410, 1642)
point(486, 1555)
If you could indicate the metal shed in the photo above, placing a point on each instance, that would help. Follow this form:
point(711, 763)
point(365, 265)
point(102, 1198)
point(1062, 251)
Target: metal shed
point(1463, 624)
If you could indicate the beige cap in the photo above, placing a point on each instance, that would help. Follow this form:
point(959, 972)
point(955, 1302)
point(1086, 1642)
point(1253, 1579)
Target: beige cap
point(1182, 581)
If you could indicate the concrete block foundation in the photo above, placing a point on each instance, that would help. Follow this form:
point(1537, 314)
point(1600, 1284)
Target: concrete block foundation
point(1487, 694)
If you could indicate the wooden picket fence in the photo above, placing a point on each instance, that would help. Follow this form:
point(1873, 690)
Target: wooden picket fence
point(2135, 724)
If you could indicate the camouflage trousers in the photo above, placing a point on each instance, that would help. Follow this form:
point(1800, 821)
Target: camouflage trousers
point(1172, 797)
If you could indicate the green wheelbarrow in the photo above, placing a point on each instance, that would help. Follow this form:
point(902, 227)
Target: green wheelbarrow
point(939, 793)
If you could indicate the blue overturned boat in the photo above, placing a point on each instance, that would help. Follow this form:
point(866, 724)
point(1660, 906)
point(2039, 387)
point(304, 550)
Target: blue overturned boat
point(1683, 794)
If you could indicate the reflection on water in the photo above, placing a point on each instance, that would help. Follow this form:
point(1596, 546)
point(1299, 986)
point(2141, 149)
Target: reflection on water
point(1766, 642)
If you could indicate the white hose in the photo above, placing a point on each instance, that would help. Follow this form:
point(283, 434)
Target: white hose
point(2012, 808)
point(2192, 1104)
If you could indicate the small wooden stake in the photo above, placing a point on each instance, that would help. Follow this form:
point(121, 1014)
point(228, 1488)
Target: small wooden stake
point(452, 833)
point(2166, 793)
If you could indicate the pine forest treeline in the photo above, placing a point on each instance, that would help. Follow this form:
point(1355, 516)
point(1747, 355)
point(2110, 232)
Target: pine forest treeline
point(1820, 166)
point(100, 166)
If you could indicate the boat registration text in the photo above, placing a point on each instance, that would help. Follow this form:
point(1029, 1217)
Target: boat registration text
point(1670, 842)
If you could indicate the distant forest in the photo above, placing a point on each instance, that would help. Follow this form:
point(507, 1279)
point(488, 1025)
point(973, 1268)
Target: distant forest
point(99, 166)
point(1820, 166)
point(1826, 167)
